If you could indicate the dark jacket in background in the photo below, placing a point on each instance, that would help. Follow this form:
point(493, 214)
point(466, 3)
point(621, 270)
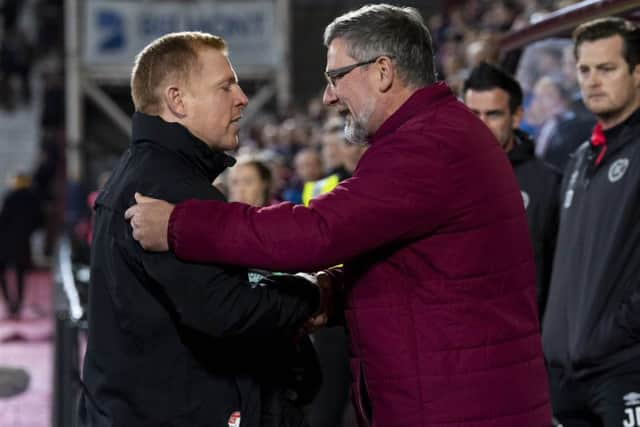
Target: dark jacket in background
point(20, 216)
point(572, 130)
point(539, 186)
point(592, 320)
point(173, 343)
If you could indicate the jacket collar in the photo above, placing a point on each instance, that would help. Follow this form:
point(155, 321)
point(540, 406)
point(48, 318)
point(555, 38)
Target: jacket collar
point(176, 138)
point(428, 95)
point(523, 148)
point(624, 131)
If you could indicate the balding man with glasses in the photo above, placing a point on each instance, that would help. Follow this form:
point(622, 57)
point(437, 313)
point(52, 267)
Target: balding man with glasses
point(438, 285)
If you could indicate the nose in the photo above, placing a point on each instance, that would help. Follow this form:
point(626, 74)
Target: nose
point(593, 79)
point(329, 97)
point(242, 99)
point(588, 78)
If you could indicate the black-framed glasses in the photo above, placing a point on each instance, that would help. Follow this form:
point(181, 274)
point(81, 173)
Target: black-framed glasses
point(332, 76)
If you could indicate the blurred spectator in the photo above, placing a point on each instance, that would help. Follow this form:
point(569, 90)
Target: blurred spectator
point(539, 59)
point(549, 106)
point(340, 158)
point(332, 153)
point(15, 69)
point(308, 164)
point(332, 147)
point(20, 216)
point(499, 15)
point(483, 49)
point(293, 135)
point(269, 135)
point(307, 167)
point(561, 130)
point(281, 172)
point(250, 182)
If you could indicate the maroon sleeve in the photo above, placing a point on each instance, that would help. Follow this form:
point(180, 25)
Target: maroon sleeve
point(389, 198)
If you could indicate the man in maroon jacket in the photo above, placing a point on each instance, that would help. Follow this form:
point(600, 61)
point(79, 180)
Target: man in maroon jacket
point(438, 278)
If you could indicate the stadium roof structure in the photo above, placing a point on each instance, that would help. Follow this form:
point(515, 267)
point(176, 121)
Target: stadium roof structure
point(563, 21)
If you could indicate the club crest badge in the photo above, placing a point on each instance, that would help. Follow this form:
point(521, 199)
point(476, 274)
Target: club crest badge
point(617, 169)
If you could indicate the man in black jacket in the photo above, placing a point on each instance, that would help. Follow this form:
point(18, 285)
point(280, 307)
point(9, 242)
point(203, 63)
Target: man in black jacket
point(591, 329)
point(173, 343)
point(496, 98)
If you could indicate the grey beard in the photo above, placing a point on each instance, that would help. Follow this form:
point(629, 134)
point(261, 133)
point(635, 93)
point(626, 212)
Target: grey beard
point(355, 132)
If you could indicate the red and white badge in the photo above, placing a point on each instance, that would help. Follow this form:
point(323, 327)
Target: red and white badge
point(234, 419)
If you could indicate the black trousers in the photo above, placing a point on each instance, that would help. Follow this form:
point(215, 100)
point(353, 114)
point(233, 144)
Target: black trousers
point(13, 298)
point(328, 408)
point(609, 399)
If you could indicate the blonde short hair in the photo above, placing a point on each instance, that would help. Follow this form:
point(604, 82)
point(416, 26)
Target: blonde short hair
point(172, 55)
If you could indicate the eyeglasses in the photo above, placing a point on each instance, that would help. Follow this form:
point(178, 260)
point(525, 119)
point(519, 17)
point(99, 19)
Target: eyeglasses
point(332, 76)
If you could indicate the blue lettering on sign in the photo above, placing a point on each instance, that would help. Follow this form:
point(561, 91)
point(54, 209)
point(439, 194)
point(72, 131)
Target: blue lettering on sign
point(228, 26)
point(111, 26)
point(157, 25)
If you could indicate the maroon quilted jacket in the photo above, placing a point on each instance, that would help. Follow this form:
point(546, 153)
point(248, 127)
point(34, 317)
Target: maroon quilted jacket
point(439, 277)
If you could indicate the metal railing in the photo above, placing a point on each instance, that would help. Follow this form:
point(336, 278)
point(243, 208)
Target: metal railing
point(69, 324)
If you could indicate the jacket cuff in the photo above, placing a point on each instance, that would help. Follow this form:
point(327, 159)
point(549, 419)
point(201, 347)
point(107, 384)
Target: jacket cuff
point(337, 317)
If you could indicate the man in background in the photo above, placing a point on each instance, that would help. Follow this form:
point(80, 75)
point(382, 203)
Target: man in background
point(496, 98)
point(591, 328)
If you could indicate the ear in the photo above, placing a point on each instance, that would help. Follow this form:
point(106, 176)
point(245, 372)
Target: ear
point(385, 74)
point(516, 117)
point(173, 99)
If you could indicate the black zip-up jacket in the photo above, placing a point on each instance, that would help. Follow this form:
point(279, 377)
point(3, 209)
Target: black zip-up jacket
point(539, 186)
point(592, 320)
point(173, 343)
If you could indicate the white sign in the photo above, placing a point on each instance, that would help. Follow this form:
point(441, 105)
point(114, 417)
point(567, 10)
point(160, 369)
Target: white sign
point(116, 30)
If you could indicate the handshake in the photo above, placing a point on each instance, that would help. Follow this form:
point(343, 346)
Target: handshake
point(311, 287)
